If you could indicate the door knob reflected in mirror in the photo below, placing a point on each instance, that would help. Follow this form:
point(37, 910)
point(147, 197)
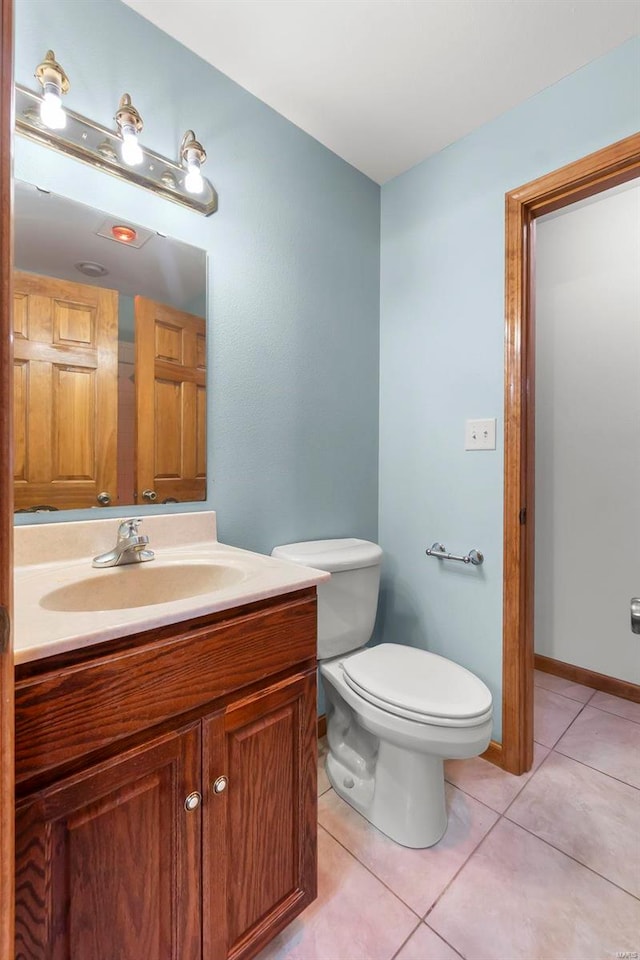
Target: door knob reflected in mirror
point(149, 495)
point(635, 614)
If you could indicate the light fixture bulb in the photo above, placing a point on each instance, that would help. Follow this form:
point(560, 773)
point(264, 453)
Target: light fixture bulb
point(193, 181)
point(192, 155)
point(129, 124)
point(131, 149)
point(51, 112)
point(55, 83)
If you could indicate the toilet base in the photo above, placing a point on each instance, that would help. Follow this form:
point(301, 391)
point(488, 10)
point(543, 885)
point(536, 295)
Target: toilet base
point(390, 768)
point(403, 795)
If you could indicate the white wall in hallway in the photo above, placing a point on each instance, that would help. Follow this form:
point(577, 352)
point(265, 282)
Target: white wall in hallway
point(587, 291)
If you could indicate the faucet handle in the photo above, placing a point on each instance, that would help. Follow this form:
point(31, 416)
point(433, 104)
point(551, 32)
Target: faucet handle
point(129, 528)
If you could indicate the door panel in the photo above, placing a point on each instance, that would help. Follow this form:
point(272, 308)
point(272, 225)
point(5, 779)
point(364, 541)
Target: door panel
point(171, 402)
point(65, 392)
point(109, 861)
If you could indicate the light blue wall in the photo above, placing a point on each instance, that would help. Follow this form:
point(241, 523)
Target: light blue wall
point(441, 345)
point(295, 295)
point(294, 271)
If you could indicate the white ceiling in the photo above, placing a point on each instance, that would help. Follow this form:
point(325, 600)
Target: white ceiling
point(386, 83)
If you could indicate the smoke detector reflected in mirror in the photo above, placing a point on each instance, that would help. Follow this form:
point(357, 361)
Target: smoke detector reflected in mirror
point(91, 269)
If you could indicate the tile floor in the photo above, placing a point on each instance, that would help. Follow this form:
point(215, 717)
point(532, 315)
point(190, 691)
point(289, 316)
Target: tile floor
point(540, 867)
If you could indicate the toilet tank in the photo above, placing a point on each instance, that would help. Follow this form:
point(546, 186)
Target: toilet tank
point(347, 603)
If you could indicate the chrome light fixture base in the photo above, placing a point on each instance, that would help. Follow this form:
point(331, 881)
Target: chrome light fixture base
point(99, 146)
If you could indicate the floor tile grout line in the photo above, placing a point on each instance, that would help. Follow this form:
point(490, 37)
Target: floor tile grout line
point(566, 757)
point(472, 797)
point(571, 857)
point(597, 769)
point(541, 686)
point(520, 789)
point(588, 703)
point(500, 815)
point(527, 782)
point(503, 816)
point(612, 714)
point(476, 799)
point(460, 868)
point(397, 895)
point(368, 869)
point(566, 729)
point(405, 942)
point(554, 748)
point(455, 950)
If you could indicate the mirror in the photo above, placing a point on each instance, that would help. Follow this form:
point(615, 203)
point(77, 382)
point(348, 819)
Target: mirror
point(109, 359)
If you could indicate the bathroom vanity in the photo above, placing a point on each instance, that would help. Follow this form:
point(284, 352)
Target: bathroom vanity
point(166, 771)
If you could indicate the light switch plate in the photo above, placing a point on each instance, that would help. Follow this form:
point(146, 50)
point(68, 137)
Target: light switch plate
point(480, 434)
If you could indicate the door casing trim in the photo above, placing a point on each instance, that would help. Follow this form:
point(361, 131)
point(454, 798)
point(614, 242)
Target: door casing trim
point(594, 173)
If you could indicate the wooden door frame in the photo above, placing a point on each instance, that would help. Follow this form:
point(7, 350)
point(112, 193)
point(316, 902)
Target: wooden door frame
point(599, 171)
point(6, 485)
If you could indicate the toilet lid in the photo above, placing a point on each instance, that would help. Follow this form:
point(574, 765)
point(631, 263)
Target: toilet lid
point(423, 684)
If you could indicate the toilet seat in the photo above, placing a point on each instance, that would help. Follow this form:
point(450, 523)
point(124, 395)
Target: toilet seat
point(418, 685)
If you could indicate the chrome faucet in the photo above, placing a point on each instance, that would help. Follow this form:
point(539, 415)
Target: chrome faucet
point(128, 549)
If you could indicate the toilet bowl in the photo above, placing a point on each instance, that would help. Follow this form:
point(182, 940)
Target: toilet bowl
point(394, 712)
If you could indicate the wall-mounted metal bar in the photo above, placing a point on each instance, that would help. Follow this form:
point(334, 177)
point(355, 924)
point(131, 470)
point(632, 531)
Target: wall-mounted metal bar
point(440, 551)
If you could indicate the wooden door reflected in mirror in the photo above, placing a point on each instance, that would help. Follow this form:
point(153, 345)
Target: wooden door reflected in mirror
point(170, 403)
point(65, 393)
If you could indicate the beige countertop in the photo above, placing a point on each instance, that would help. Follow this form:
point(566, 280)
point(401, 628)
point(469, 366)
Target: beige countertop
point(52, 557)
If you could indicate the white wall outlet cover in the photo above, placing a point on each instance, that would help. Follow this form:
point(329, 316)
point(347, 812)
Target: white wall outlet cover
point(480, 434)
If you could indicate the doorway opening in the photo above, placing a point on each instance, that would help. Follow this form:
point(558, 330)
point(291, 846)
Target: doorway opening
point(595, 173)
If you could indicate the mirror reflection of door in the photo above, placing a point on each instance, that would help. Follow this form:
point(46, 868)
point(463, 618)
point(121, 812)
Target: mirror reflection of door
point(65, 390)
point(66, 428)
point(170, 403)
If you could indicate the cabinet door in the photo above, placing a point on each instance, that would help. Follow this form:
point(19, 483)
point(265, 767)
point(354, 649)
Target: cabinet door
point(108, 860)
point(264, 824)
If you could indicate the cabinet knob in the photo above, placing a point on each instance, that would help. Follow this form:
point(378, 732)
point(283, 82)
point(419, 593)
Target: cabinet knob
point(104, 498)
point(193, 801)
point(150, 495)
point(219, 785)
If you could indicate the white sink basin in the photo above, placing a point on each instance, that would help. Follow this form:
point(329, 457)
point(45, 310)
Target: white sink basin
point(141, 585)
point(62, 604)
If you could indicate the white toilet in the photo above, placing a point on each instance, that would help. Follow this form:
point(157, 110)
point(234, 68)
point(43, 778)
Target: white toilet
point(394, 713)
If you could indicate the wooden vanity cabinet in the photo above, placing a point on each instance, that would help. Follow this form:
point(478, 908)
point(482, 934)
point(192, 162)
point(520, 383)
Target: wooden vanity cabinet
point(108, 861)
point(190, 839)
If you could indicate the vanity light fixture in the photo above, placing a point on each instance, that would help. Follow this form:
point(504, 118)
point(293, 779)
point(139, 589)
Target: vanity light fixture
point(55, 83)
point(192, 155)
point(129, 124)
point(41, 117)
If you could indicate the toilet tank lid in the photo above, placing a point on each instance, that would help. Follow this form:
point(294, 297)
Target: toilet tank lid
point(331, 555)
